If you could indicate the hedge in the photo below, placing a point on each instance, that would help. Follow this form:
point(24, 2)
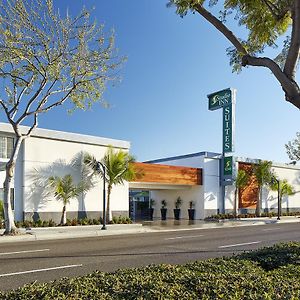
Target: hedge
point(73, 222)
point(255, 275)
point(249, 215)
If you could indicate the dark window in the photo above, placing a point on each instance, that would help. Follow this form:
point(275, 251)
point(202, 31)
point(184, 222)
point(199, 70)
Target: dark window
point(6, 146)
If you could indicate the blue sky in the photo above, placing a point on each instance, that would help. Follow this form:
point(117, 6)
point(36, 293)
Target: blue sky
point(161, 106)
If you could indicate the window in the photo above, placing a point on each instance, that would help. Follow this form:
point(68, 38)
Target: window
point(6, 146)
point(12, 197)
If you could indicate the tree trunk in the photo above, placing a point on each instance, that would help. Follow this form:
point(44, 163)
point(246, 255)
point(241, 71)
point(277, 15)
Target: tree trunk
point(234, 203)
point(258, 203)
point(108, 212)
point(63, 219)
point(10, 227)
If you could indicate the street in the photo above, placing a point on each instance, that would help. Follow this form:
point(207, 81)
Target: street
point(43, 261)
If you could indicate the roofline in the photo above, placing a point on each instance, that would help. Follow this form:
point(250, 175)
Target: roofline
point(274, 164)
point(67, 136)
point(203, 153)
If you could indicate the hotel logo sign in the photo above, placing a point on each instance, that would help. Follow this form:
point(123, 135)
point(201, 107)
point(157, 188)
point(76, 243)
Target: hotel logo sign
point(219, 99)
point(225, 99)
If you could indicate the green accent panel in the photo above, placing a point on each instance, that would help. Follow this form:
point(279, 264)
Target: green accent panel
point(228, 166)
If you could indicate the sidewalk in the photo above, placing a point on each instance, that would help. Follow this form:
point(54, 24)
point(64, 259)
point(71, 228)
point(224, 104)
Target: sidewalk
point(66, 232)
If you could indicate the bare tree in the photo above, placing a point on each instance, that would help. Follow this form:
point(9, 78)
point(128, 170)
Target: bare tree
point(47, 60)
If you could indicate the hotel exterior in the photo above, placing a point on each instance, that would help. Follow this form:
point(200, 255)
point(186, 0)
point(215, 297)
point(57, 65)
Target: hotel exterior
point(192, 177)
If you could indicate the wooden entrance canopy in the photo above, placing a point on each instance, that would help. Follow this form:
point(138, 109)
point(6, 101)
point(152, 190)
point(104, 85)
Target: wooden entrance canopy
point(168, 175)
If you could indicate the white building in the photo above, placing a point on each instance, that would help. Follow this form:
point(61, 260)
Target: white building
point(208, 196)
point(193, 177)
point(48, 153)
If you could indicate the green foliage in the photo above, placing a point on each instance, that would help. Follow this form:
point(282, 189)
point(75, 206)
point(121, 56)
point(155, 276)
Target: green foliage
point(65, 189)
point(285, 189)
point(152, 203)
point(265, 214)
point(178, 202)
point(1, 210)
point(73, 222)
point(265, 22)
point(269, 273)
point(191, 204)
point(66, 58)
point(242, 179)
point(293, 148)
point(118, 167)
point(262, 172)
point(163, 203)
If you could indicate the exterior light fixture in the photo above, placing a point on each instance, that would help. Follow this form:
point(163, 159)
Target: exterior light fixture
point(99, 166)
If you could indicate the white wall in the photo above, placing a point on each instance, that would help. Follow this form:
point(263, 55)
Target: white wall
point(194, 193)
point(292, 175)
point(47, 157)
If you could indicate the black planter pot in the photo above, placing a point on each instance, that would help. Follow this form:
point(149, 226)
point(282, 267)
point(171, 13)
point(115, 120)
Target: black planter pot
point(151, 210)
point(163, 212)
point(191, 212)
point(176, 213)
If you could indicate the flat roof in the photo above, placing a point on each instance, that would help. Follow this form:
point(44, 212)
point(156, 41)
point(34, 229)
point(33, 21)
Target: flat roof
point(202, 153)
point(67, 136)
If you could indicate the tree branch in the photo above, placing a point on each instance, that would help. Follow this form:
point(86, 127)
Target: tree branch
point(220, 27)
point(293, 53)
point(32, 99)
point(290, 87)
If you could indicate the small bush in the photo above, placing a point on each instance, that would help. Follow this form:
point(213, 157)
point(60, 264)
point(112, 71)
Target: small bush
point(231, 216)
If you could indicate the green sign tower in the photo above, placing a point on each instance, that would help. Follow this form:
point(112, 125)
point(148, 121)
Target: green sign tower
point(225, 99)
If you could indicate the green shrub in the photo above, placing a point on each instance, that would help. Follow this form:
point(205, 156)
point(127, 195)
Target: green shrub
point(1, 210)
point(270, 258)
point(235, 278)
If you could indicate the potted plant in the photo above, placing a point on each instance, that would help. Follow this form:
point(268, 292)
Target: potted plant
point(151, 209)
point(178, 203)
point(191, 210)
point(163, 209)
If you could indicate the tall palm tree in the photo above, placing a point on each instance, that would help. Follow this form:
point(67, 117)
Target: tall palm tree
point(118, 168)
point(285, 189)
point(241, 181)
point(263, 175)
point(64, 190)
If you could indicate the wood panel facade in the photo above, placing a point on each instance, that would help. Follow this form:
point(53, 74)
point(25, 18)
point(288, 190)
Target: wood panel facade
point(248, 196)
point(165, 174)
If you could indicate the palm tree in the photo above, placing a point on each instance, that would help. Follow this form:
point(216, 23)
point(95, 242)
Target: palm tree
point(241, 181)
point(64, 190)
point(285, 189)
point(118, 168)
point(263, 175)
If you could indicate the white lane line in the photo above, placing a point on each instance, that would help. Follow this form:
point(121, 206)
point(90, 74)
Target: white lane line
point(184, 237)
point(25, 251)
point(237, 245)
point(271, 229)
point(40, 270)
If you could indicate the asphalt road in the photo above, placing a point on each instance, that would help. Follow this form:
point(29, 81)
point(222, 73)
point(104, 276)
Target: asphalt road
point(43, 261)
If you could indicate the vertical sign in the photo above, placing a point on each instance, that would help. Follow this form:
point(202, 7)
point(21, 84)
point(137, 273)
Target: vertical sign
point(225, 99)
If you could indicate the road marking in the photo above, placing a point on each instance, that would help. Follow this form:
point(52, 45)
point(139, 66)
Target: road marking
point(237, 245)
point(40, 270)
point(184, 237)
point(25, 251)
point(271, 229)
